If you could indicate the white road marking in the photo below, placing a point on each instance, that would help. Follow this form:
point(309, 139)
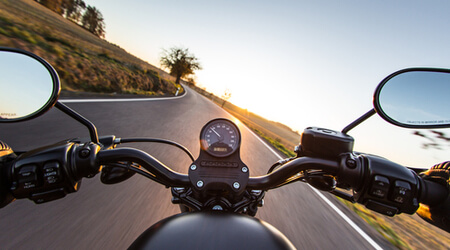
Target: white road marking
point(327, 201)
point(348, 220)
point(122, 99)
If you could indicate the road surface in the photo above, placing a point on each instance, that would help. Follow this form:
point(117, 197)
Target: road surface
point(111, 216)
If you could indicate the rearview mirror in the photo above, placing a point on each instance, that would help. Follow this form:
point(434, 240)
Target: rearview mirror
point(415, 98)
point(29, 86)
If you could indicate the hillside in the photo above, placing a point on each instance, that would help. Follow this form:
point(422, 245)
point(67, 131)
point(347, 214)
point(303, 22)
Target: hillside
point(84, 62)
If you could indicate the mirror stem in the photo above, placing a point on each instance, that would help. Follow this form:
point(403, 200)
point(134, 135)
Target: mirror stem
point(358, 121)
point(80, 118)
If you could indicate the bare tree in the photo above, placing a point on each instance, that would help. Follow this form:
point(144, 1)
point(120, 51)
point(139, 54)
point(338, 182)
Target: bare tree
point(180, 62)
point(226, 96)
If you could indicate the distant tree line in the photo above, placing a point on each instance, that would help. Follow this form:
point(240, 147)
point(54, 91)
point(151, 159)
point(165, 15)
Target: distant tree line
point(77, 11)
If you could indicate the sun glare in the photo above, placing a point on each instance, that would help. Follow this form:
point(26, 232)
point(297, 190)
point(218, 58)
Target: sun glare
point(236, 121)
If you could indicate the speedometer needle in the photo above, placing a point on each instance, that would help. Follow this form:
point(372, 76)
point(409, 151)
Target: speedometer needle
point(218, 135)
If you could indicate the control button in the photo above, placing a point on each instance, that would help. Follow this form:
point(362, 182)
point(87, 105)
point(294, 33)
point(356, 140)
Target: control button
point(402, 192)
point(28, 177)
point(48, 196)
point(381, 208)
point(52, 173)
point(380, 186)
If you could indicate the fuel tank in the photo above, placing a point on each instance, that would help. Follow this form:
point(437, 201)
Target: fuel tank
point(211, 230)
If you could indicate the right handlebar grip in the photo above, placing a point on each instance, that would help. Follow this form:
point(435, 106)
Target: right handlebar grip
point(432, 193)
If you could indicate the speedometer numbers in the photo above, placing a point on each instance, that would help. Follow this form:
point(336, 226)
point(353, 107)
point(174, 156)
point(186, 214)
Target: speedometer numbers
point(220, 138)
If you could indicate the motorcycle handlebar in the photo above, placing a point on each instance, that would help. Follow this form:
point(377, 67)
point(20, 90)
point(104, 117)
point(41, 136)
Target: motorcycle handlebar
point(174, 179)
point(430, 193)
point(161, 171)
point(289, 169)
point(66, 163)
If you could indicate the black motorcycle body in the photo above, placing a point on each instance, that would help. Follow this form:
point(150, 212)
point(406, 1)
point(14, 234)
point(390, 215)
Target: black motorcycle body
point(211, 230)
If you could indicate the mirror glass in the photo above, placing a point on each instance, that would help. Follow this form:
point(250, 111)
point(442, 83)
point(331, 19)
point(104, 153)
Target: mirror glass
point(27, 85)
point(415, 98)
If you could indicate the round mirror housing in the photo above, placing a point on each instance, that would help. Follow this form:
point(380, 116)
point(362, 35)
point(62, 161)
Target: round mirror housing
point(415, 98)
point(29, 85)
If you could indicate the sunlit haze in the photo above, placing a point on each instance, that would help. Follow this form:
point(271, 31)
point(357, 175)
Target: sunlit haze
point(302, 63)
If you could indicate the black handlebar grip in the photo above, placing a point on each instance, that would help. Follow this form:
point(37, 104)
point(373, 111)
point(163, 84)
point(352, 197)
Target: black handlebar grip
point(432, 193)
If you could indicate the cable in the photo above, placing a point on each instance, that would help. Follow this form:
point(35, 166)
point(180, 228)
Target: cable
point(128, 140)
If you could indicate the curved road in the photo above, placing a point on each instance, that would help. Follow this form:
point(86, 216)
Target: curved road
point(111, 216)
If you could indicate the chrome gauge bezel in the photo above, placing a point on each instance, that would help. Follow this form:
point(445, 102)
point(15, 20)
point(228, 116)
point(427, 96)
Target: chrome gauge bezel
point(213, 130)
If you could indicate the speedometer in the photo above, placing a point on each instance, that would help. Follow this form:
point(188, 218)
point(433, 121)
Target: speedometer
point(220, 138)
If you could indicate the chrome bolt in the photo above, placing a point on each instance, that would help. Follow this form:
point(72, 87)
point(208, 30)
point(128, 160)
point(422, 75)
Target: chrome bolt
point(236, 185)
point(199, 184)
point(217, 208)
point(193, 167)
point(244, 169)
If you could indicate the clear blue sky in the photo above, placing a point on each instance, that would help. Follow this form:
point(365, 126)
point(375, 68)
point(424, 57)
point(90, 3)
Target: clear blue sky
point(302, 63)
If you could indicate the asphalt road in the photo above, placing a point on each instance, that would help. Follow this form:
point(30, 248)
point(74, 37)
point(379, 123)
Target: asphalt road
point(111, 216)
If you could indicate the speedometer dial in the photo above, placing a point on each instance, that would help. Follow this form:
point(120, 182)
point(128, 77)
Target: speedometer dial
point(220, 138)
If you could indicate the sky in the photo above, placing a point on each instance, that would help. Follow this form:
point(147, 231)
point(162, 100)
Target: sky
point(302, 63)
point(38, 82)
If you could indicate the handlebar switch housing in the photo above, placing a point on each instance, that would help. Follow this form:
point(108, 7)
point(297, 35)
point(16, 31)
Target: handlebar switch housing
point(51, 172)
point(388, 188)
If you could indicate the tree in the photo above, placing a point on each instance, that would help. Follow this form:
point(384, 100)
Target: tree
point(93, 21)
point(73, 9)
point(180, 62)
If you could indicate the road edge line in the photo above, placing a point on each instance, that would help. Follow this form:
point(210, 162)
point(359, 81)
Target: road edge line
point(348, 220)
